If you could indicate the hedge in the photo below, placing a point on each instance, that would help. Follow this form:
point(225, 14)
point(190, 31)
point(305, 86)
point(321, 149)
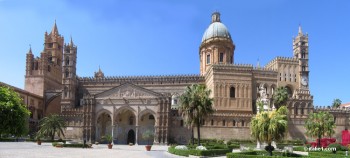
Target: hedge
point(70, 145)
point(253, 154)
point(211, 152)
point(327, 154)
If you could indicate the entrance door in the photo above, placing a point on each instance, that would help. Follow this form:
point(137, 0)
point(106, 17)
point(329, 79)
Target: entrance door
point(131, 137)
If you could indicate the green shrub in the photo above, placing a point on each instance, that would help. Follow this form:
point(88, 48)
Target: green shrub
point(75, 145)
point(233, 146)
point(172, 150)
point(299, 148)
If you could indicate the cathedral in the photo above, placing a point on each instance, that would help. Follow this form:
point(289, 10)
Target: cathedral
point(126, 107)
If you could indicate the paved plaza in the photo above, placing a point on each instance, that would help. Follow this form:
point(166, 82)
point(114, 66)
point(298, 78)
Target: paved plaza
point(46, 150)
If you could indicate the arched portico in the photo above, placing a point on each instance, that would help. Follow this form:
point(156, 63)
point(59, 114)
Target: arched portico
point(103, 125)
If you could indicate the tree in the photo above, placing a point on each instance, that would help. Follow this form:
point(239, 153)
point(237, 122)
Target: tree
point(51, 125)
point(336, 103)
point(319, 125)
point(195, 105)
point(13, 113)
point(268, 126)
point(280, 97)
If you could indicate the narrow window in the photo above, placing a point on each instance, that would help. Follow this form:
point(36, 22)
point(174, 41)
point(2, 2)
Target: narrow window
point(67, 73)
point(295, 78)
point(67, 61)
point(221, 58)
point(233, 123)
point(302, 111)
point(290, 77)
point(303, 68)
point(242, 123)
point(212, 122)
point(208, 59)
point(223, 122)
point(182, 123)
point(285, 77)
point(232, 92)
point(131, 120)
point(296, 111)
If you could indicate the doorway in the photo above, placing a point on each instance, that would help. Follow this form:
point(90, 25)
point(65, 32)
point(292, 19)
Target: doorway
point(131, 137)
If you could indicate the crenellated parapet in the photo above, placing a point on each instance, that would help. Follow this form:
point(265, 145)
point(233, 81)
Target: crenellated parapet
point(286, 60)
point(331, 109)
point(145, 79)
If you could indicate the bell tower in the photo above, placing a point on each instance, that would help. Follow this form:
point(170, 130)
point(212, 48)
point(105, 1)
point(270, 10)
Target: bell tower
point(301, 52)
point(69, 80)
point(45, 72)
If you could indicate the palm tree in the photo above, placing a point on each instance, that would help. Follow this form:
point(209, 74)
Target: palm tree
point(268, 126)
point(319, 125)
point(280, 97)
point(336, 103)
point(195, 104)
point(51, 125)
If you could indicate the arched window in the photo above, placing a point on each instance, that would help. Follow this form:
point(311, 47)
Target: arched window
point(131, 120)
point(232, 92)
point(212, 122)
point(242, 123)
point(223, 122)
point(233, 123)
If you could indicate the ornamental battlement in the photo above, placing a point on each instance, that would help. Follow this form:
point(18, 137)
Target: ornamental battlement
point(281, 60)
point(332, 109)
point(159, 78)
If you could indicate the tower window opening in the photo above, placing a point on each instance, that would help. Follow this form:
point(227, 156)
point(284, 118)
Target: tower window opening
point(67, 61)
point(295, 78)
point(303, 68)
point(303, 55)
point(67, 73)
point(232, 92)
point(290, 77)
point(208, 59)
point(221, 58)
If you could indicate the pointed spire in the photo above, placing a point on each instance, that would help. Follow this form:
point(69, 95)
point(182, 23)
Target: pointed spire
point(71, 41)
point(30, 49)
point(300, 32)
point(258, 64)
point(99, 74)
point(54, 29)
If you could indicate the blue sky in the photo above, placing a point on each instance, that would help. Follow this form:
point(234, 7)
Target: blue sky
point(158, 37)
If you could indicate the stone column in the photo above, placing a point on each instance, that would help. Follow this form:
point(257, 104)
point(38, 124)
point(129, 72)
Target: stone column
point(136, 135)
